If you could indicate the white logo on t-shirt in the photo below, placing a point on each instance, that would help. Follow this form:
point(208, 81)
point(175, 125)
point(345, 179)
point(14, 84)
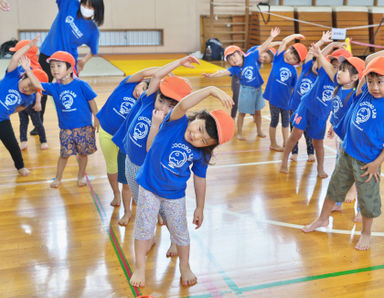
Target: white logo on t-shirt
point(285, 74)
point(67, 98)
point(337, 104)
point(365, 112)
point(305, 86)
point(75, 30)
point(179, 156)
point(141, 128)
point(12, 98)
point(127, 105)
point(248, 73)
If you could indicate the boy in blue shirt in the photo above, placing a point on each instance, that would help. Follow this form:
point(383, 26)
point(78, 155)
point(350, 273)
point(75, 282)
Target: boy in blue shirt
point(362, 153)
point(75, 105)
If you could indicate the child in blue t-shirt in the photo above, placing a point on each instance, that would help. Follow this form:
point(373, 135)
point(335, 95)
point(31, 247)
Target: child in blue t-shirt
point(313, 111)
point(362, 152)
point(281, 81)
point(180, 144)
point(75, 104)
point(247, 68)
point(15, 95)
point(111, 116)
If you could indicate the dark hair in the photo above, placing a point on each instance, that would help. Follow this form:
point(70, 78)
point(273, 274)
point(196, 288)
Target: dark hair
point(270, 53)
point(98, 7)
point(210, 126)
point(345, 65)
point(374, 74)
point(147, 81)
point(171, 100)
point(295, 53)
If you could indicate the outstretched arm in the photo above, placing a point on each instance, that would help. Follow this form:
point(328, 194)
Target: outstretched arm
point(195, 97)
point(26, 64)
point(200, 185)
point(267, 43)
point(4, 6)
point(20, 53)
point(141, 74)
point(323, 62)
point(217, 74)
point(333, 46)
point(166, 69)
point(287, 40)
point(157, 118)
point(325, 38)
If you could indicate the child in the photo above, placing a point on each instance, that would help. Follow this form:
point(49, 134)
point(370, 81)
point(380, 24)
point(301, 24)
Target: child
point(32, 111)
point(15, 95)
point(111, 116)
point(361, 154)
point(303, 85)
point(312, 114)
point(75, 103)
point(180, 143)
point(132, 135)
point(250, 94)
point(281, 81)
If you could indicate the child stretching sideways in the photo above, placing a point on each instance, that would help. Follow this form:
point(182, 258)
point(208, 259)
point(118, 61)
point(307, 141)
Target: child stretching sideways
point(75, 103)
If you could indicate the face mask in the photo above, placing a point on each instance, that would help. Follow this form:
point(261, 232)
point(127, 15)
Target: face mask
point(86, 12)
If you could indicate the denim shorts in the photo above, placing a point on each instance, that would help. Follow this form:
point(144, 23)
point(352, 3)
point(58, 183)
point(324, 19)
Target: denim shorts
point(250, 99)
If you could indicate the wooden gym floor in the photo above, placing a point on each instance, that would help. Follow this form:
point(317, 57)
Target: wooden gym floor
point(66, 242)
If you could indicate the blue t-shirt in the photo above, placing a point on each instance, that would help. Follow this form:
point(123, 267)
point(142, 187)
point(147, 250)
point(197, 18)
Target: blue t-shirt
point(120, 137)
point(364, 137)
point(249, 73)
point(117, 106)
point(340, 105)
point(319, 99)
point(281, 81)
point(10, 95)
point(68, 31)
point(166, 169)
point(303, 85)
point(341, 126)
point(71, 101)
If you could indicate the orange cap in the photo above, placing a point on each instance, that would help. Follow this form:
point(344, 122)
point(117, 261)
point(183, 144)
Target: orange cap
point(338, 53)
point(356, 62)
point(301, 50)
point(22, 44)
point(273, 50)
point(224, 124)
point(175, 87)
point(376, 65)
point(64, 57)
point(230, 50)
point(41, 76)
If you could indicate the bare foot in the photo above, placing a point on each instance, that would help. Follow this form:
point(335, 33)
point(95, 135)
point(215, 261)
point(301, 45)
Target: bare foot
point(358, 217)
point(116, 201)
point(138, 278)
point(160, 220)
point(187, 277)
point(241, 138)
point(55, 184)
point(24, 172)
point(23, 145)
point(276, 148)
point(351, 195)
point(260, 134)
point(322, 174)
point(172, 251)
point(364, 242)
point(284, 169)
point(81, 181)
point(44, 146)
point(316, 224)
point(311, 158)
point(125, 219)
point(337, 208)
point(293, 157)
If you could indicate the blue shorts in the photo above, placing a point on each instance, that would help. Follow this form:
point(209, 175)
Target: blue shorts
point(121, 167)
point(303, 119)
point(250, 99)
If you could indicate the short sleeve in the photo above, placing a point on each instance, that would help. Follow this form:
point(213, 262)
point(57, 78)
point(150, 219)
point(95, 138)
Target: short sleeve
point(199, 167)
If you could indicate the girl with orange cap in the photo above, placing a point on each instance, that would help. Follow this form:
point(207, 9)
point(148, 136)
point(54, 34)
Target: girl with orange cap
point(15, 95)
point(182, 144)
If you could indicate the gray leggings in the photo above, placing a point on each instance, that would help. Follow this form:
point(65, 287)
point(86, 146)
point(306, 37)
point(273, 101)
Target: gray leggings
point(275, 112)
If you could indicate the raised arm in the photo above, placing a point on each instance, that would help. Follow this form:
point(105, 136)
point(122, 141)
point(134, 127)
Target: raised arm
point(141, 74)
point(287, 40)
point(217, 74)
point(267, 43)
point(323, 62)
point(4, 6)
point(166, 69)
point(26, 64)
point(333, 46)
point(196, 97)
point(20, 53)
point(325, 39)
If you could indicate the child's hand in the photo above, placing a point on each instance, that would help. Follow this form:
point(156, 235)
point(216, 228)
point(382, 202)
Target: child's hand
point(37, 106)
point(207, 75)
point(157, 118)
point(225, 99)
point(96, 123)
point(331, 133)
point(186, 61)
point(25, 63)
point(372, 171)
point(327, 37)
point(4, 6)
point(315, 50)
point(198, 217)
point(275, 32)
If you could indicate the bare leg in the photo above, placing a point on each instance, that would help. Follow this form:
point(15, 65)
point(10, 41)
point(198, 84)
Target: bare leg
point(112, 178)
point(127, 197)
point(240, 121)
point(365, 237)
point(172, 251)
point(323, 219)
point(141, 249)
point(187, 276)
point(293, 138)
point(257, 118)
point(61, 163)
point(351, 195)
point(83, 160)
point(285, 132)
point(319, 150)
point(272, 138)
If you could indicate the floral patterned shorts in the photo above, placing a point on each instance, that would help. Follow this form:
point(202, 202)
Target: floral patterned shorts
point(77, 141)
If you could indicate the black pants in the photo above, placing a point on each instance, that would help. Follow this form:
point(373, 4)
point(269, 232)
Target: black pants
point(45, 66)
point(7, 136)
point(36, 120)
point(235, 85)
